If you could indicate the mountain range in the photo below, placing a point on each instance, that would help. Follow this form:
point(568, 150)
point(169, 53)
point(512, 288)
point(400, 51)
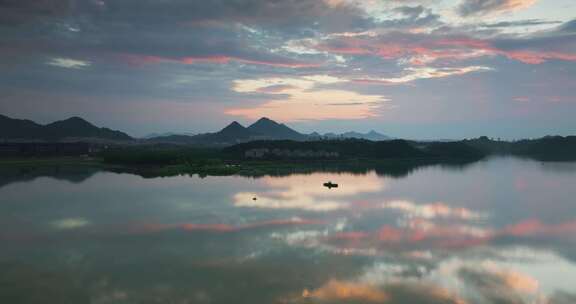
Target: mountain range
point(77, 128)
point(263, 129)
point(69, 129)
point(372, 135)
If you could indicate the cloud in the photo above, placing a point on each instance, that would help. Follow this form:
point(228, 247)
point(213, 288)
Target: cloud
point(431, 211)
point(277, 61)
point(413, 74)
point(417, 49)
point(562, 298)
point(494, 284)
point(568, 27)
point(535, 228)
point(518, 23)
point(246, 199)
point(70, 223)
point(218, 227)
point(315, 105)
point(489, 7)
point(302, 100)
point(402, 291)
point(335, 290)
point(68, 63)
point(305, 192)
point(160, 55)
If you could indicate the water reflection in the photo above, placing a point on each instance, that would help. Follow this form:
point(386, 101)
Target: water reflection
point(305, 191)
point(498, 231)
point(13, 174)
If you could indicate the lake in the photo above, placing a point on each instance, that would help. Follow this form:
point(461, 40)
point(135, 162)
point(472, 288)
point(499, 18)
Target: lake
point(502, 230)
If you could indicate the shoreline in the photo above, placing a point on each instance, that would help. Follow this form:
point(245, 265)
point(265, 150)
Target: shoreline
point(392, 166)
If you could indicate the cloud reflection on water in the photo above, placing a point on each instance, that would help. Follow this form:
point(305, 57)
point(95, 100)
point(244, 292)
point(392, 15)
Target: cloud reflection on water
point(305, 192)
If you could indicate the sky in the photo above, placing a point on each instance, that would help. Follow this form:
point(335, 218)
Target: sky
point(418, 69)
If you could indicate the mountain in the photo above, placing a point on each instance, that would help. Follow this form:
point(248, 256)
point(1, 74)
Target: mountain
point(263, 129)
point(372, 135)
point(314, 135)
point(18, 128)
point(269, 129)
point(166, 134)
point(74, 127)
point(232, 133)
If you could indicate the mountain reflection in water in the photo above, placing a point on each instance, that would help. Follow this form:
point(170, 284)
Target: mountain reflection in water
point(498, 231)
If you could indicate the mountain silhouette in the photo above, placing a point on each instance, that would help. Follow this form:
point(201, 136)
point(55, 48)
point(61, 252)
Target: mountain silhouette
point(263, 129)
point(372, 135)
point(234, 132)
point(18, 128)
point(270, 129)
point(74, 127)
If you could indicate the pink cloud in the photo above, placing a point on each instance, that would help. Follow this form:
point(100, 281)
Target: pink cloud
point(420, 233)
point(534, 227)
point(418, 50)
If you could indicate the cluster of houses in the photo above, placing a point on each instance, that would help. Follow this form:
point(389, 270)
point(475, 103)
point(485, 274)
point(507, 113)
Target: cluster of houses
point(264, 153)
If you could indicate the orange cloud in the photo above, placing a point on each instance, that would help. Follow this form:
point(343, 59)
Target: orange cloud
point(336, 290)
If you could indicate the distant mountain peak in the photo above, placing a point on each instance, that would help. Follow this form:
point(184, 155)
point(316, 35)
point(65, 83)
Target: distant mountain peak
point(73, 127)
point(75, 120)
point(234, 125)
point(263, 122)
point(372, 135)
point(270, 129)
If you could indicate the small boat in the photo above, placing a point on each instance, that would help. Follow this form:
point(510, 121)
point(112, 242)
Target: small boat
point(330, 185)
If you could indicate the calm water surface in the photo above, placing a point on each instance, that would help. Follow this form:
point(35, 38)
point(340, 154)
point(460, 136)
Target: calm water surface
point(497, 231)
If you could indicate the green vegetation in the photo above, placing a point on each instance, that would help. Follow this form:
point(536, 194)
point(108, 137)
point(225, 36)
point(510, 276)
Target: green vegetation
point(549, 148)
point(283, 157)
point(396, 158)
point(363, 149)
